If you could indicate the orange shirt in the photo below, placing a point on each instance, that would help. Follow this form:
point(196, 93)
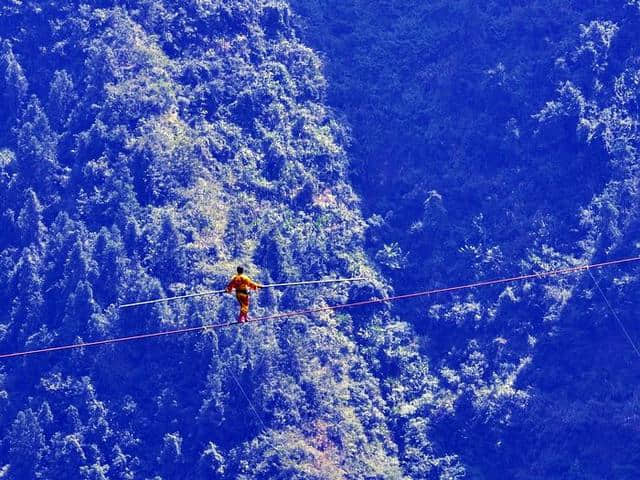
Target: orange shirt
point(242, 283)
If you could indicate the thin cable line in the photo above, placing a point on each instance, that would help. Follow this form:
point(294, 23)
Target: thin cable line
point(531, 276)
point(246, 397)
point(170, 299)
point(615, 315)
point(255, 411)
point(214, 292)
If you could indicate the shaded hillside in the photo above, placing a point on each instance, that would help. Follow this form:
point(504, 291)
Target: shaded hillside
point(491, 140)
point(148, 147)
point(146, 150)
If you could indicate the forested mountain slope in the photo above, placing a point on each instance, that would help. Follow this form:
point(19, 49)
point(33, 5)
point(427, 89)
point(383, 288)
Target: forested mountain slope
point(505, 136)
point(147, 147)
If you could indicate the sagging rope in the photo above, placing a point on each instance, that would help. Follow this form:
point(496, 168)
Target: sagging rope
point(203, 328)
point(214, 292)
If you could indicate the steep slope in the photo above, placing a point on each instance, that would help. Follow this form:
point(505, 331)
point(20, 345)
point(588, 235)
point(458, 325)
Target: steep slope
point(490, 140)
point(146, 149)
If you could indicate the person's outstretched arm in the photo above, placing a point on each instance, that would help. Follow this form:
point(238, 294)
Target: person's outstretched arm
point(253, 285)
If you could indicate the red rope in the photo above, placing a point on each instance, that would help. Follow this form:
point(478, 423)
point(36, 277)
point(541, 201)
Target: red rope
point(563, 271)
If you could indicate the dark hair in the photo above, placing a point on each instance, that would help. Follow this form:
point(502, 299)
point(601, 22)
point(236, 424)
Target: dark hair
point(240, 270)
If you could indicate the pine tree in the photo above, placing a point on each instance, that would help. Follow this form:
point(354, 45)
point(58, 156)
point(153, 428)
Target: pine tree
point(131, 236)
point(78, 266)
point(170, 259)
point(13, 88)
point(36, 150)
point(26, 445)
point(32, 230)
point(112, 264)
point(80, 308)
point(27, 305)
point(8, 228)
point(7, 266)
point(63, 234)
point(8, 197)
point(62, 99)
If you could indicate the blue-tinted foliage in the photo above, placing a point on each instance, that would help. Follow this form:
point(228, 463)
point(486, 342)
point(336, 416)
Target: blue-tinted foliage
point(148, 147)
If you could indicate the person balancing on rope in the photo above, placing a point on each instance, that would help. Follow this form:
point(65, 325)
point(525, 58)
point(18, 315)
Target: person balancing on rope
point(242, 284)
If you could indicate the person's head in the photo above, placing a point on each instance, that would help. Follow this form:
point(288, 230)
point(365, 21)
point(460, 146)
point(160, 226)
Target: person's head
point(240, 270)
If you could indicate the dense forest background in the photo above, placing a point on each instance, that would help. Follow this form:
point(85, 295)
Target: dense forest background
point(148, 147)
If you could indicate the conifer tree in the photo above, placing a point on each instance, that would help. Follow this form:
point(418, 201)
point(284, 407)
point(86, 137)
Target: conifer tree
point(13, 88)
point(78, 265)
point(27, 305)
point(36, 150)
point(169, 260)
point(32, 230)
point(62, 99)
point(26, 445)
point(80, 308)
point(110, 257)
